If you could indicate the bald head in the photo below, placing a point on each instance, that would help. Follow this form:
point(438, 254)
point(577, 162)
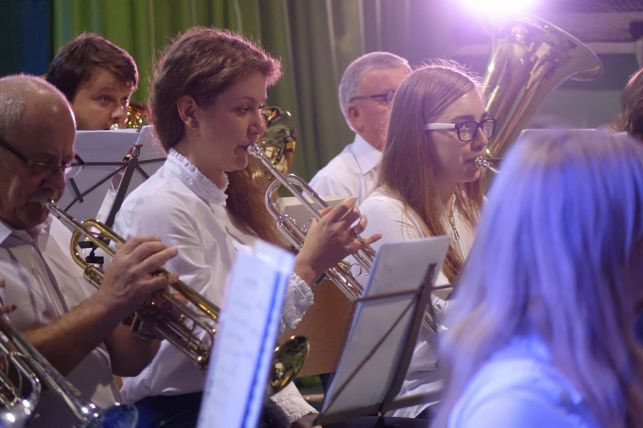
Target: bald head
point(27, 101)
point(37, 133)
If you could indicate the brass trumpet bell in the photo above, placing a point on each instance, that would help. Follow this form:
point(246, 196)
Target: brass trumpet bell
point(23, 372)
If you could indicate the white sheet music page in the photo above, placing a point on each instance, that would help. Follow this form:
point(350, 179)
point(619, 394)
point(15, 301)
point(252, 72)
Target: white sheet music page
point(239, 366)
point(102, 152)
point(366, 369)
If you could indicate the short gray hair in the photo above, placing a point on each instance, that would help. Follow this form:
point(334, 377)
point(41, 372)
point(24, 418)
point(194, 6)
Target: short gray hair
point(15, 90)
point(359, 67)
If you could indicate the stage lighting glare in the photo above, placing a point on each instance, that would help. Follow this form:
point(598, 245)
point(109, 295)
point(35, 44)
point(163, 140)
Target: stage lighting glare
point(498, 7)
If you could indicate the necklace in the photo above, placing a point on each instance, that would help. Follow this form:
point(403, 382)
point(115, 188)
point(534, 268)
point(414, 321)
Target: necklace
point(451, 219)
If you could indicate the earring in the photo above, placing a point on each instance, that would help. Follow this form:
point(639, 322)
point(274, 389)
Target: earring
point(194, 124)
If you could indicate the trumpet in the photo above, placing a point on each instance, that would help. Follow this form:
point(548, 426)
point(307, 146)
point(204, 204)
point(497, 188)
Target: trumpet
point(23, 370)
point(488, 163)
point(341, 274)
point(192, 331)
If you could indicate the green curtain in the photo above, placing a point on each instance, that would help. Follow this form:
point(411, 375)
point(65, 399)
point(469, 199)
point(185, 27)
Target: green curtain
point(315, 39)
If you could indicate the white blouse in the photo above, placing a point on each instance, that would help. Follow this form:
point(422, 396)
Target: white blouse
point(387, 215)
point(187, 210)
point(519, 387)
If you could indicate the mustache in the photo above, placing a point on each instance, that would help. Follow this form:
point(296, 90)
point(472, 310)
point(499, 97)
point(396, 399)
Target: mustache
point(45, 196)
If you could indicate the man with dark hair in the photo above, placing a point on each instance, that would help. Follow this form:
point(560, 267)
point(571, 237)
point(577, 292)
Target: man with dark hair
point(98, 79)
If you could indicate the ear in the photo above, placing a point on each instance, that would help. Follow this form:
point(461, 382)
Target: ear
point(354, 117)
point(186, 106)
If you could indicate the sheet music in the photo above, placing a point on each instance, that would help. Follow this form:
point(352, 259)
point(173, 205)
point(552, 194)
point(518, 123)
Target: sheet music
point(102, 153)
point(239, 365)
point(399, 267)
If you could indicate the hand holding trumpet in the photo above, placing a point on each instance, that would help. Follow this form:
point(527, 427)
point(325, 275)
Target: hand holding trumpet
point(332, 238)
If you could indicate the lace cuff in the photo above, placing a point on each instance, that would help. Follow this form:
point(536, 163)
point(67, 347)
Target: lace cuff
point(291, 403)
point(299, 297)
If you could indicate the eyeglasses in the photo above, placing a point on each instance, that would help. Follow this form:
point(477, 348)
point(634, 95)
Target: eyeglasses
point(466, 130)
point(40, 167)
point(384, 97)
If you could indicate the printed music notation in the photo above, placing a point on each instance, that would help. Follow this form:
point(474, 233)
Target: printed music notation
point(239, 367)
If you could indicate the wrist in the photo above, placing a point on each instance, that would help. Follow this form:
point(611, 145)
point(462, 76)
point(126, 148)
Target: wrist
point(305, 271)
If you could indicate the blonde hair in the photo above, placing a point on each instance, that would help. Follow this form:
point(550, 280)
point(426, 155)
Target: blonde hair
point(550, 260)
point(410, 160)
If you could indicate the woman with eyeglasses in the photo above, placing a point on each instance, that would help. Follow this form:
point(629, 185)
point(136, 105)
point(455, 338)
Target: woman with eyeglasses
point(429, 184)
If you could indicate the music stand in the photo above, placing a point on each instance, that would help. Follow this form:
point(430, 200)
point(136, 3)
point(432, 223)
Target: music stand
point(384, 332)
point(109, 161)
point(240, 363)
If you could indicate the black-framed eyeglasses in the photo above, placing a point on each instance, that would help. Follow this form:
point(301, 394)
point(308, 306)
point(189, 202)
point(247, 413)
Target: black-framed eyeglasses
point(39, 167)
point(384, 97)
point(467, 129)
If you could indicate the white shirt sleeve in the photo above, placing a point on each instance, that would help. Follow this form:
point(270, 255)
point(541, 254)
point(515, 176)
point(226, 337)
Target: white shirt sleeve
point(299, 297)
point(386, 215)
point(519, 408)
point(327, 185)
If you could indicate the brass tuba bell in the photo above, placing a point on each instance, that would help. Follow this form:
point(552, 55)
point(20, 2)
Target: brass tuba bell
point(530, 57)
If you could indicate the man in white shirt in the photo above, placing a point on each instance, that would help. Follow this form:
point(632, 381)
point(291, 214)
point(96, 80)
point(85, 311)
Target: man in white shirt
point(78, 329)
point(365, 93)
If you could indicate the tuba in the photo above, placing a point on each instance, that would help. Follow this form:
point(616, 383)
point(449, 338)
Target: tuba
point(137, 117)
point(530, 58)
point(192, 331)
point(23, 372)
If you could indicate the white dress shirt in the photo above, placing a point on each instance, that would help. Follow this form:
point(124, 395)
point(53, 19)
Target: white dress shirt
point(44, 283)
point(387, 215)
point(187, 210)
point(353, 172)
point(518, 387)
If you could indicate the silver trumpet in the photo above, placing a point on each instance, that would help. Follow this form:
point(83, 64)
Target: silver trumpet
point(24, 370)
point(341, 273)
point(487, 162)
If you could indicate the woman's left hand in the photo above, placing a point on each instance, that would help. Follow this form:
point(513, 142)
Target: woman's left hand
point(331, 239)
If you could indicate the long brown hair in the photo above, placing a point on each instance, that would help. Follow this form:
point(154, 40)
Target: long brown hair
point(409, 163)
point(202, 63)
point(246, 203)
point(630, 115)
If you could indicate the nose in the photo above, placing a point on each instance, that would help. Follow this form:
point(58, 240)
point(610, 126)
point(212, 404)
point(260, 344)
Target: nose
point(119, 115)
point(55, 181)
point(479, 142)
point(258, 125)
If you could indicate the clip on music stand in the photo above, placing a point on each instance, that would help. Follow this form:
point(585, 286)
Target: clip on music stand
point(108, 161)
point(384, 332)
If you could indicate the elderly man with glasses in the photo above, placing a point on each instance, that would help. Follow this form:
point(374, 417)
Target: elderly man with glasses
point(366, 92)
point(78, 329)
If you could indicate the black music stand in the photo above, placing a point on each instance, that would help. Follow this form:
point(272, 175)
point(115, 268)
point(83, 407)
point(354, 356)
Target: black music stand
point(111, 163)
point(384, 332)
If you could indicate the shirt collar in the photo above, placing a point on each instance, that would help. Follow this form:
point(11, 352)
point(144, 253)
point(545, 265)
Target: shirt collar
point(189, 174)
point(24, 235)
point(366, 156)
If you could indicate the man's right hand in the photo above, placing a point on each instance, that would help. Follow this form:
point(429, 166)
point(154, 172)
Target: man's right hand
point(130, 278)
